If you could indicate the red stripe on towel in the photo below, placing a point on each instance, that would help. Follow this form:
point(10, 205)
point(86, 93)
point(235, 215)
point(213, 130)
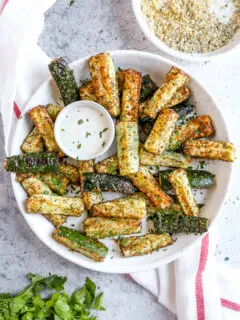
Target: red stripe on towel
point(3, 6)
point(199, 280)
point(16, 110)
point(230, 305)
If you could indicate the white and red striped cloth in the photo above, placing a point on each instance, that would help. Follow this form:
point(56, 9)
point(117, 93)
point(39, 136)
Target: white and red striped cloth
point(193, 287)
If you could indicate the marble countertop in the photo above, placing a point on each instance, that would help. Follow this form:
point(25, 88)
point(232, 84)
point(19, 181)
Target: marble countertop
point(88, 27)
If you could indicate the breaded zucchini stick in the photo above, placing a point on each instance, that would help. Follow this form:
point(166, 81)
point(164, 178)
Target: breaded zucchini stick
point(214, 150)
point(183, 192)
point(44, 125)
point(139, 246)
point(89, 197)
point(166, 159)
point(200, 127)
point(34, 186)
point(78, 242)
point(109, 165)
point(70, 172)
point(32, 143)
point(147, 184)
point(130, 95)
point(53, 110)
point(100, 228)
point(127, 147)
point(86, 92)
point(65, 80)
point(131, 207)
point(161, 132)
point(104, 82)
point(173, 81)
point(70, 206)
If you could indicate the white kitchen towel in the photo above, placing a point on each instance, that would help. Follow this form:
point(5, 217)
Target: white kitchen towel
point(194, 287)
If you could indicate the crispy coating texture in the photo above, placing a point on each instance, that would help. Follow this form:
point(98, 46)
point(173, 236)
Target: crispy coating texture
point(84, 250)
point(100, 228)
point(214, 150)
point(183, 192)
point(53, 110)
point(127, 147)
point(132, 207)
point(33, 142)
point(130, 95)
point(44, 125)
point(174, 80)
point(139, 246)
point(34, 186)
point(109, 165)
point(161, 132)
point(70, 172)
point(166, 159)
point(86, 92)
point(70, 206)
point(147, 184)
point(200, 127)
point(104, 82)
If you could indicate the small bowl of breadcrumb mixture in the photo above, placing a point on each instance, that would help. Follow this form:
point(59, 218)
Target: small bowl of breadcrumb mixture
point(190, 29)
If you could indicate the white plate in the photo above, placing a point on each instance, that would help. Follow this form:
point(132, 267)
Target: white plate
point(157, 67)
point(232, 44)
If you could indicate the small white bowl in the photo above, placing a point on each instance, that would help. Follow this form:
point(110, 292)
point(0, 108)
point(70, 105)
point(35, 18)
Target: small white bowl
point(84, 130)
point(232, 44)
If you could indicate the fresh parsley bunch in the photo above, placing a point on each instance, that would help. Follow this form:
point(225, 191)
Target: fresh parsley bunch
point(30, 305)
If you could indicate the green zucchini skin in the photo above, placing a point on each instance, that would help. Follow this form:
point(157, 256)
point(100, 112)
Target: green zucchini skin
point(198, 179)
point(148, 87)
point(174, 222)
point(107, 182)
point(183, 109)
point(78, 242)
point(42, 162)
point(65, 80)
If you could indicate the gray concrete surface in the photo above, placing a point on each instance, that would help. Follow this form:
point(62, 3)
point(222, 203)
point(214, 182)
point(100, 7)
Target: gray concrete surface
point(87, 27)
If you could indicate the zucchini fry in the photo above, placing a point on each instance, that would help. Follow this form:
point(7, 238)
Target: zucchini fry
point(89, 197)
point(109, 165)
point(198, 179)
point(139, 246)
point(56, 182)
point(214, 150)
point(106, 182)
point(174, 80)
point(132, 207)
point(32, 163)
point(65, 80)
point(175, 222)
point(86, 92)
point(44, 125)
point(34, 186)
point(70, 172)
point(33, 142)
point(78, 242)
point(70, 206)
point(161, 132)
point(130, 95)
point(127, 147)
point(104, 82)
point(166, 159)
point(53, 110)
point(147, 184)
point(101, 228)
point(183, 192)
point(200, 127)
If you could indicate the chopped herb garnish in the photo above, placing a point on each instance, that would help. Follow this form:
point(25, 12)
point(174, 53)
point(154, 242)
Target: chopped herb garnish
point(101, 132)
point(63, 130)
point(101, 115)
point(226, 259)
point(80, 121)
point(79, 146)
point(87, 120)
point(103, 144)
point(88, 134)
point(71, 3)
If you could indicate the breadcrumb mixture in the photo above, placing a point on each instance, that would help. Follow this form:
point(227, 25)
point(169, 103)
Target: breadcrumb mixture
point(193, 26)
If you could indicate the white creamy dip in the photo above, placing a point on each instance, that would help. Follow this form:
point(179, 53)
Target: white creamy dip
point(84, 130)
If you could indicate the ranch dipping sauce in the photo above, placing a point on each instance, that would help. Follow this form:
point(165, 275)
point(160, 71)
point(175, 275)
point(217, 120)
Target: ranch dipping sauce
point(84, 130)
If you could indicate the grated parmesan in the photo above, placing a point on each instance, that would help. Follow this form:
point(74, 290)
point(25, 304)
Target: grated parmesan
point(193, 26)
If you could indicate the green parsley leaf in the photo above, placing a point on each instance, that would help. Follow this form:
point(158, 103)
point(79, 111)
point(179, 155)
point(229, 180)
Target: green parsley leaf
point(80, 121)
point(101, 132)
point(88, 134)
point(79, 146)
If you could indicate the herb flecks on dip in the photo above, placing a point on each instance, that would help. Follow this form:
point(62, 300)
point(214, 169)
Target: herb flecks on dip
point(193, 26)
